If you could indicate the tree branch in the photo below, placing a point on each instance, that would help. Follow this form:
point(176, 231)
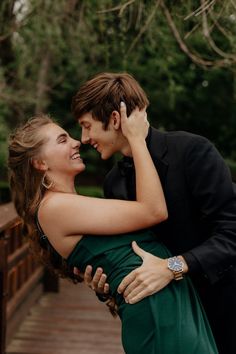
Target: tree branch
point(200, 9)
point(209, 39)
point(119, 8)
point(232, 2)
point(144, 28)
point(196, 59)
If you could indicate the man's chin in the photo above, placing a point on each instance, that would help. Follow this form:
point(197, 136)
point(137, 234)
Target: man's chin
point(104, 156)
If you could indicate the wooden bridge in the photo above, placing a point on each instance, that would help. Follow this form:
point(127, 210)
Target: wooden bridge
point(38, 314)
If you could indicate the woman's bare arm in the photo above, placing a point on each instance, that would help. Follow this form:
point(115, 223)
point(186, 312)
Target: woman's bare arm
point(74, 214)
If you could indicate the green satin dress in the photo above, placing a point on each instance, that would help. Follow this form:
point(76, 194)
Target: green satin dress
point(171, 321)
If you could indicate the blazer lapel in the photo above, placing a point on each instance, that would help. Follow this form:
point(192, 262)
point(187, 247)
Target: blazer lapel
point(120, 182)
point(157, 145)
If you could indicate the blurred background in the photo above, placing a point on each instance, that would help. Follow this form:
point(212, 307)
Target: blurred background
point(183, 53)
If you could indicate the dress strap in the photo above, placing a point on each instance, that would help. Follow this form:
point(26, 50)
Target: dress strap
point(42, 237)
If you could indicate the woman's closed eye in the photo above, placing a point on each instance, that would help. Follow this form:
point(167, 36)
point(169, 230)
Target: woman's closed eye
point(62, 138)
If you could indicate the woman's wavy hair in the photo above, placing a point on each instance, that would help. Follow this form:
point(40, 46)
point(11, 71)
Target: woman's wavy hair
point(27, 190)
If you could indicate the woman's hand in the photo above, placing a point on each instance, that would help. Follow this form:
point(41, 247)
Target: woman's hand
point(96, 282)
point(136, 125)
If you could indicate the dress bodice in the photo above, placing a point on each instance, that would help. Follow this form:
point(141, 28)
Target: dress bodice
point(114, 253)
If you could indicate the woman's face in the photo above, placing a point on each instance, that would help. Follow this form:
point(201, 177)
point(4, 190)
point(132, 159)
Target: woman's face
point(60, 153)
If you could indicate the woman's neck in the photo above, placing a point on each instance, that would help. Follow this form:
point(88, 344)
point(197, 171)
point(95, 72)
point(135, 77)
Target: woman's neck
point(64, 184)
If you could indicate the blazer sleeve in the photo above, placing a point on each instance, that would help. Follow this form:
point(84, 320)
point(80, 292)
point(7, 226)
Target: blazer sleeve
point(210, 183)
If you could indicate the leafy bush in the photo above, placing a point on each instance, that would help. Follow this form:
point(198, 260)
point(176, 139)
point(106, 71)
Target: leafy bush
point(90, 191)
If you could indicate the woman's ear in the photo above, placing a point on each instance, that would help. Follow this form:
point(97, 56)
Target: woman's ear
point(39, 164)
point(115, 120)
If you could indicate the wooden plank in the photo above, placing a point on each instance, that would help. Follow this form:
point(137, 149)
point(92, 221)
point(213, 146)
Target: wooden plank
point(19, 315)
point(72, 321)
point(23, 291)
point(18, 255)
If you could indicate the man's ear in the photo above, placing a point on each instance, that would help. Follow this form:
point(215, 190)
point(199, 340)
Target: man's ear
point(115, 120)
point(39, 164)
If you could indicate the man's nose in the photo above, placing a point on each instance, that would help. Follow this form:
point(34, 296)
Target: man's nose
point(85, 137)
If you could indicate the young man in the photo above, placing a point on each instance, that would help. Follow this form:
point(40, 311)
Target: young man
point(201, 198)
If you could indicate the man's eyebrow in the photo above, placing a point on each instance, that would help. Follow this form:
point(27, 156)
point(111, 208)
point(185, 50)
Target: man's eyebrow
point(62, 135)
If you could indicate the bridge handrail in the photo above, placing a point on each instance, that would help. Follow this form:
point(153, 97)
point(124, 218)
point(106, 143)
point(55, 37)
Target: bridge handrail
point(19, 272)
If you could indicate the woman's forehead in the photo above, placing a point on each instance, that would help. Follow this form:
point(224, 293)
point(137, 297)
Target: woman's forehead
point(52, 131)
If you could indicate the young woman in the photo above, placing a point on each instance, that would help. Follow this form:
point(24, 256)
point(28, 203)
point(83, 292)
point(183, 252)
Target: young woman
point(67, 230)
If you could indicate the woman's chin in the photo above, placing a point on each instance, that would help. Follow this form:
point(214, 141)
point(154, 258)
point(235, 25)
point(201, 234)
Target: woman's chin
point(81, 168)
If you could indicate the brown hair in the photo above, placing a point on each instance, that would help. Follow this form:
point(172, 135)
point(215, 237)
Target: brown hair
point(27, 189)
point(102, 94)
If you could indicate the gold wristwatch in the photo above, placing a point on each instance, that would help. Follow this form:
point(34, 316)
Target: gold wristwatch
point(176, 265)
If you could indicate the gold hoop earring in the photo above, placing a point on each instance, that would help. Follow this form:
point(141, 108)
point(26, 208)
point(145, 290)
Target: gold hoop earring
point(44, 183)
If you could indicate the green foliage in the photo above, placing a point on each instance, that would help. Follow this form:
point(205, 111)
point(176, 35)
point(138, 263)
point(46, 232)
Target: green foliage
point(90, 191)
point(47, 49)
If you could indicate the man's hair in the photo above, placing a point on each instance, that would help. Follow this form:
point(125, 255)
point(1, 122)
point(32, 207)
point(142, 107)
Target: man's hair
point(102, 94)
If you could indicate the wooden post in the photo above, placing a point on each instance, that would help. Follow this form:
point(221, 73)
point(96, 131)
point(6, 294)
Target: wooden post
point(3, 294)
point(50, 282)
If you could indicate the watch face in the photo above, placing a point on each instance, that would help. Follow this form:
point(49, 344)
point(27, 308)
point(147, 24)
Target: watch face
point(175, 264)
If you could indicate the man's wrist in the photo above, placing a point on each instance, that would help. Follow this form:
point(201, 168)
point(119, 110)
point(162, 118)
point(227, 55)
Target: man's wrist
point(178, 266)
point(185, 268)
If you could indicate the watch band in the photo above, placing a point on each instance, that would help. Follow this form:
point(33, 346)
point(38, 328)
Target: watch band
point(178, 275)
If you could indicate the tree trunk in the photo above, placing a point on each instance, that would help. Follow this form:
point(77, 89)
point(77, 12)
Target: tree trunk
point(8, 59)
point(41, 86)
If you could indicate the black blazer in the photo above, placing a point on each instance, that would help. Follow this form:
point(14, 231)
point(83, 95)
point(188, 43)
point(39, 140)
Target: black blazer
point(201, 201)
point(200, 196)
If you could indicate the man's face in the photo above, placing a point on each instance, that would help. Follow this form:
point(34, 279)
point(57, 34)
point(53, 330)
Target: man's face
point(106, 142)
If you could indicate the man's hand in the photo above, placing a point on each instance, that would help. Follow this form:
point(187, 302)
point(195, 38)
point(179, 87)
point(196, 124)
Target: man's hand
point(152, 276)
point(97, 282)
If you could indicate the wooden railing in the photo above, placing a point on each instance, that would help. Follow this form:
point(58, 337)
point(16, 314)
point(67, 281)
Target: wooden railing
point(22, 279)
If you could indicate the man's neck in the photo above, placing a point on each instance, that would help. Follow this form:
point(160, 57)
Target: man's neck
point(125, 147)
point(126, 151)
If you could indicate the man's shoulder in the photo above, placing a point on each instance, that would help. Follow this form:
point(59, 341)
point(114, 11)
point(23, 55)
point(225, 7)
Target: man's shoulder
point(173, 143)
point(180, 139)
point(180, 135)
